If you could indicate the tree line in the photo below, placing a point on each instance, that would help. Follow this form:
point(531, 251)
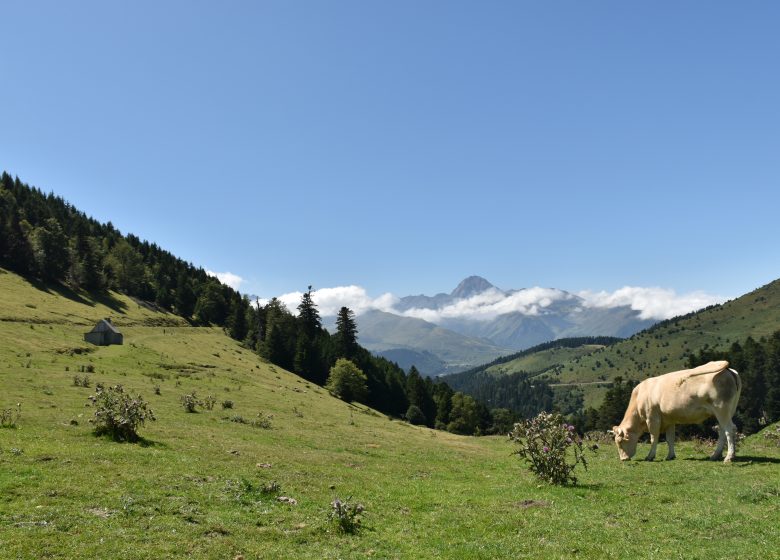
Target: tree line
point(44, 237)
point(758, 364)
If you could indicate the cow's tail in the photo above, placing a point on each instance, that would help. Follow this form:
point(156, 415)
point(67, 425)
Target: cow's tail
point(737, 379)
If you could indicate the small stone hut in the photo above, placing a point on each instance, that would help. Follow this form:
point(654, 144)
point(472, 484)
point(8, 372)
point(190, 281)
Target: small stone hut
point(103, 334)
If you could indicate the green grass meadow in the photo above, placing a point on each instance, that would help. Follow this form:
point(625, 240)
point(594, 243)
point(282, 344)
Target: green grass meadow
point(192, 488)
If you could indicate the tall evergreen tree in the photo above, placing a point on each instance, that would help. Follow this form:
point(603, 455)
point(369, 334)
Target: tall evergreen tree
point(615, 403)
point(309, 315)
point(773, 379)
point(50, 247)
point(419, 393)
point(346, 334)
point(211, 306)
point(238, 326)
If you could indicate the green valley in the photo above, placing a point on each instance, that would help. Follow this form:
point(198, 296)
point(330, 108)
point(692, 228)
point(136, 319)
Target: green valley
point(197, 483)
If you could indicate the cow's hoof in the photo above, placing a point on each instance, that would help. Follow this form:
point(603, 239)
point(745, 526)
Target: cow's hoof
point(671, 457)
point(716, 457)
point(728, 459)
point(648, 458)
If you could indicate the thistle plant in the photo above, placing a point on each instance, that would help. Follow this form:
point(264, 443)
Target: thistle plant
point(346, 515)
point(544, 442)
point(190, 402)
point(9, 416)
point(119, 414)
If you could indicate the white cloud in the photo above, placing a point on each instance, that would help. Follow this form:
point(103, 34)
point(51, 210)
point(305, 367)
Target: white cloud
point(227, 278)
point(652, 303)
point(491, 303)
point(330, 300)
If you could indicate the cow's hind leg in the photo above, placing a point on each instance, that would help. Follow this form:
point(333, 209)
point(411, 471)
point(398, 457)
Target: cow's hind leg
point(717, 455)
point(731, 433)
point(670, 442)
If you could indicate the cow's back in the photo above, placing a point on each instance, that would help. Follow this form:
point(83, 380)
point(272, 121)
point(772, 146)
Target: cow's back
point(688, 396)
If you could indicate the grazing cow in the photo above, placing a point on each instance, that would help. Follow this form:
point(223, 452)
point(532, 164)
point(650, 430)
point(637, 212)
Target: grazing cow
point(681, 397)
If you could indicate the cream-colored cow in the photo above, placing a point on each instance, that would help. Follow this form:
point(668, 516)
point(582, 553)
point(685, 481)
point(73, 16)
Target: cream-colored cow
point(682, 397)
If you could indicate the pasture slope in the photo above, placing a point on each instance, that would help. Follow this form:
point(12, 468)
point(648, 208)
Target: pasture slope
point(664, 347)
point(192, 488)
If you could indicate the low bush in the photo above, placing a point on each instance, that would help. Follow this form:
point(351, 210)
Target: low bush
point(209, 402)
point(190, 402)
point(119, 414)
point(9, 416)
point(81, 381)
point(227, 404)
point(346, 515)
point(772, 433)
point(544, 442)
point(262, 421)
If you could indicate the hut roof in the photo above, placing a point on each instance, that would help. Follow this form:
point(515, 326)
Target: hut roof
point(104, 325)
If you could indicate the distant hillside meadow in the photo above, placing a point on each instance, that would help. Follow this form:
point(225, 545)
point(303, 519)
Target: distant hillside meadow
point(264, 435)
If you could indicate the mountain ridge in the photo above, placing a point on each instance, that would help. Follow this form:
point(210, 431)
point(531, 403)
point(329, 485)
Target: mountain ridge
point(513, 320)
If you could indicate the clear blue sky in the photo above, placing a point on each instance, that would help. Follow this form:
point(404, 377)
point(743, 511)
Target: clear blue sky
point(401, 146)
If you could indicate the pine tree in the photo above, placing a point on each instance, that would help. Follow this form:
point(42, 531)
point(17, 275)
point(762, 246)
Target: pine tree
point(773, 379)
point(238, 326)
point(185, 296)
point(309, 315)
point(211, 306)
point(86, 269)
point(346, 334)
point(50, 248)
point(419, 393)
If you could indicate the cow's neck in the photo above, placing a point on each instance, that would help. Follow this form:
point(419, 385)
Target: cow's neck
point(632, 422)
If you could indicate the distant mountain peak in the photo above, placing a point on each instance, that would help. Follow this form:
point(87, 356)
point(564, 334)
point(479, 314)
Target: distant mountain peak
point(471, 286)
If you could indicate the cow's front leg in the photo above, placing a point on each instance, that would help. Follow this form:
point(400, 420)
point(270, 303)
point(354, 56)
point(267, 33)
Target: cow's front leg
point(670, 442)
point(654, 427)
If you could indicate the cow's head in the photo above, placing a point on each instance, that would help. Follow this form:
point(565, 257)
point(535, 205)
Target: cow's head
point(626, 442)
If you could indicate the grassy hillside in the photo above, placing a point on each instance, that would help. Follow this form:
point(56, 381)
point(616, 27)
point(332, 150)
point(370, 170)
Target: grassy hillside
point(665, 346)
point(192, 488)
point(543, 360)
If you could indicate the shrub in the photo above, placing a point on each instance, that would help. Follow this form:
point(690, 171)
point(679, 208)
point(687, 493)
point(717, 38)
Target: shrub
point(118, 414)
point(544, 442)
point(415, 416)
point(271, 487)
point(81, 381)
point(209, 402)
point(773, 433)
point(346, 515)
point(227, 404)
point(9, 417)
point(262, 421)
point(190, 402)
point(347, 381)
